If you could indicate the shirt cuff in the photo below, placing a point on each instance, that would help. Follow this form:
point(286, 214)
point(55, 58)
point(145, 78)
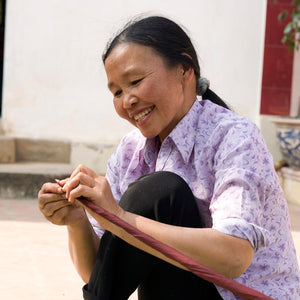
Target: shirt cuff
point(97, 228)
point(256, 235)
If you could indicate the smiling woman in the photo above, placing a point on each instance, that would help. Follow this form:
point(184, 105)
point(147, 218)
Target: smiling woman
point(135, 74)
point(193, 175)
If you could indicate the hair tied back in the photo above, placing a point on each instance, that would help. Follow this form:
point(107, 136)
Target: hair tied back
point(203, 85)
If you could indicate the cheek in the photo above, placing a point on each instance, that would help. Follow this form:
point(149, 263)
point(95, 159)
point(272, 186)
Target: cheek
point(122, 112)
point(149, 90)
point(119, 108)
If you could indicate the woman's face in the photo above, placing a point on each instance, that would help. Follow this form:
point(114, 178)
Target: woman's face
point(146, 92)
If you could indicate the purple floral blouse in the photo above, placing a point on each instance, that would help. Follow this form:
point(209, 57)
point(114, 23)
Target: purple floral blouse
point(224, 159)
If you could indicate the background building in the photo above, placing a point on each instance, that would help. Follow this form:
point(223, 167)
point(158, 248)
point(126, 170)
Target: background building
point(54, 86)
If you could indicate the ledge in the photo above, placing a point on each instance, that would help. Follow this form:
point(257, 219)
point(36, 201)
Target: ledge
point(290, 183)
point(286, 121)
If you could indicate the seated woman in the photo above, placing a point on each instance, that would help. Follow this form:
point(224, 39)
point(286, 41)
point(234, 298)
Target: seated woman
point(193, 174)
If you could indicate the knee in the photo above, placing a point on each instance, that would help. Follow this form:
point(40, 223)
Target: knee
point(157, 196)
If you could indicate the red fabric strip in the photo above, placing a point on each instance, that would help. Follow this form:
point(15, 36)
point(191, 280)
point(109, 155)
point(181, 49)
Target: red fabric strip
point(192, 265)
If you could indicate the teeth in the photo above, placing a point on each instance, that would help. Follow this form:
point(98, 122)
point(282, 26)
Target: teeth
point(141, 115)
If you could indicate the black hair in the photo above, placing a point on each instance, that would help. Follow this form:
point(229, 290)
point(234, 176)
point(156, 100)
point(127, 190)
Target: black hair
point(169, 40)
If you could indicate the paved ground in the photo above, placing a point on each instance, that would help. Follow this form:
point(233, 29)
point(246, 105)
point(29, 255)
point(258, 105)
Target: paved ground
point(34, 260)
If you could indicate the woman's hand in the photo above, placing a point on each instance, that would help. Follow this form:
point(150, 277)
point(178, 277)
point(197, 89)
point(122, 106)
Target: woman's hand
point(86, 183)
point(55, 206)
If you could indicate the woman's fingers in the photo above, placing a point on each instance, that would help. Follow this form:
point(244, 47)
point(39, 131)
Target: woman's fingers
point(50, 187)
point(81, 191)
point(79, 179)
point(86, 183)
point(61, 182)
point(55, 206)
point(61, 211)
point(61, 216)
point(52, 207)
point(50, 192)
point(83, 169)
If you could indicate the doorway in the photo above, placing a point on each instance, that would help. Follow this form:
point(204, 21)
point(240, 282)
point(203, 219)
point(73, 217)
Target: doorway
point(2, 27)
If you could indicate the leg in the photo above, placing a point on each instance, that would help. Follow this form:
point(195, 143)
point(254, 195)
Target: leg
point(121, 268)
point(169, 282)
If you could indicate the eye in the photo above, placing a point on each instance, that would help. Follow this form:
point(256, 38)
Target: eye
point(136, 81)
point(118, 93)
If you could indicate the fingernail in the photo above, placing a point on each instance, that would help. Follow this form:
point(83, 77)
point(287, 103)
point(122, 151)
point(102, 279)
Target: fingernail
point(63, 188)
point(57, 181)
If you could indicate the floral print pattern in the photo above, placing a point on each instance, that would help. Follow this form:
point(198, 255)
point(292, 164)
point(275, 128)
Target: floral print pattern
point(224, 159)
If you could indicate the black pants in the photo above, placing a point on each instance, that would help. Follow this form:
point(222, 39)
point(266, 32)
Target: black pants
point(121, 268)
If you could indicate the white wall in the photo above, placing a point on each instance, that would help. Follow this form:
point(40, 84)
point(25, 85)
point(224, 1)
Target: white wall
point(54, 81)
point(295, 95)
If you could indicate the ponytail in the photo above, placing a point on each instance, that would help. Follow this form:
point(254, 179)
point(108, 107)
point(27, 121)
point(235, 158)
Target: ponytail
point(213, 97)
point(206, 93)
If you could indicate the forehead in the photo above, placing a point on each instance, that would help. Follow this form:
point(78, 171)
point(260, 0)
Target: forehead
point(131, 57)
point(130, 50)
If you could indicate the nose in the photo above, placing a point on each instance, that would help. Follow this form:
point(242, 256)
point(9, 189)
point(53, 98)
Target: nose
point(129, 101)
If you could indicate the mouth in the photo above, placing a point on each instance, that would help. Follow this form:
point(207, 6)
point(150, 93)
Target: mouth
point(143, 114)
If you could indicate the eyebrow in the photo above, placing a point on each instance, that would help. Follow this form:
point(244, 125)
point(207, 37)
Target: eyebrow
point(127, 73)
point(110, 85)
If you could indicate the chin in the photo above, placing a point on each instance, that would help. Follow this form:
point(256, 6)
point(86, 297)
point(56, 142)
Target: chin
point(148, 135)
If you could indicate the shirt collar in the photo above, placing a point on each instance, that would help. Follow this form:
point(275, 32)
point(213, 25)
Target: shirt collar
point(183, 137)
point(184, 134)
point(149, 151)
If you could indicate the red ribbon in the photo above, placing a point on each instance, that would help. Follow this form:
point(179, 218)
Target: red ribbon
point(192, 265)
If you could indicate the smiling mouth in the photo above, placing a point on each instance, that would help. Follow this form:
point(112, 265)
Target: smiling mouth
point(143, 114)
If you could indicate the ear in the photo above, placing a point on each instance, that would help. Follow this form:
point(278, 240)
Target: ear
point(187, 73)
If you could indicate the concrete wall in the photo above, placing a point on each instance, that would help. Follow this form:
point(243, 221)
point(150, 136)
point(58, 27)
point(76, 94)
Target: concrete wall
point(54, 81)
point(268, 129)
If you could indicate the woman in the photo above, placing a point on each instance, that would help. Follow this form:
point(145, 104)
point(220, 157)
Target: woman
point(193, 175)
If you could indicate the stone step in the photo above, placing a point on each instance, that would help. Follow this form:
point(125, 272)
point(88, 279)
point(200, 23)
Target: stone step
point(7, 149)
point(13, 149)
point(23, 180)
point(42, 150)
point(1, 127)
point(25, 164)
